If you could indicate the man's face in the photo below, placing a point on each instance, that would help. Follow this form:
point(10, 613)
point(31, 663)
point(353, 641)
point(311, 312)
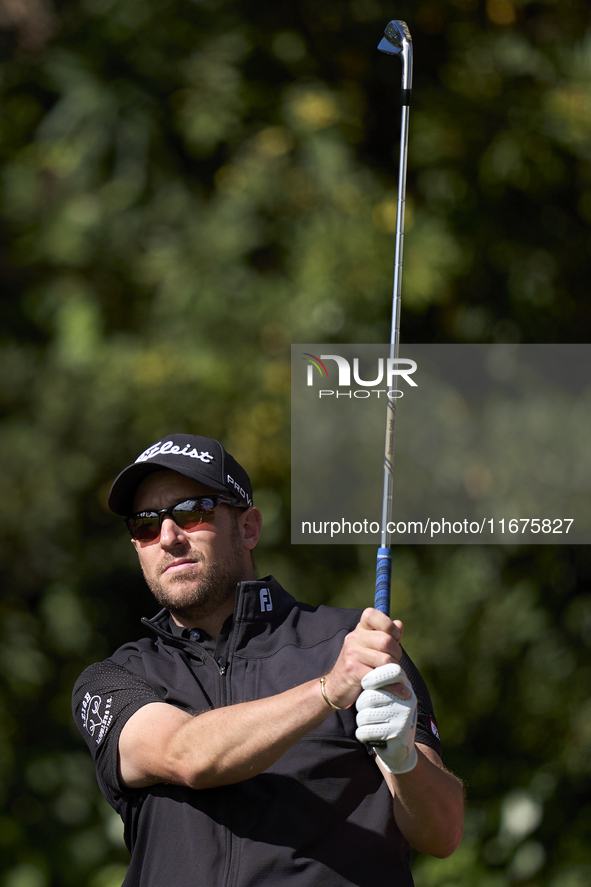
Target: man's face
point(192, 573)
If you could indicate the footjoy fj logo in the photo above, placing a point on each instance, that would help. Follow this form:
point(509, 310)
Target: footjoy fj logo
point(265, 598)
point(387, 371)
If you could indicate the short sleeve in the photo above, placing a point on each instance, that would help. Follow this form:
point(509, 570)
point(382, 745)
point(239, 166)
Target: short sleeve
point(105, 696)
point(427, 731)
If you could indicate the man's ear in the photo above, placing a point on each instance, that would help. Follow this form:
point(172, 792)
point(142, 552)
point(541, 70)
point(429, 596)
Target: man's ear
point(251, 522)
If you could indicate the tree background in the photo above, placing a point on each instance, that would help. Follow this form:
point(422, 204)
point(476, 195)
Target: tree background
point(186, 188)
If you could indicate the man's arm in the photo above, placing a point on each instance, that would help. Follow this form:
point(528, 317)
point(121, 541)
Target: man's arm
point(161, 743)
point(428, 804)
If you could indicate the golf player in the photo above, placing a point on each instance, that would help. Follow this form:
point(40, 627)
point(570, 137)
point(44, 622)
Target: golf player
point(229, 739)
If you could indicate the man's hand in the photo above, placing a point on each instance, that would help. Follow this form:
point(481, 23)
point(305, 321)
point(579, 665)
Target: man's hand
point(428, 799)
point(374, 642)
point(385, 717)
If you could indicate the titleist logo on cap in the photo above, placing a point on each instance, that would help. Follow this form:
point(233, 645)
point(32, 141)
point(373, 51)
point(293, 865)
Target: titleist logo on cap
point(172, 448)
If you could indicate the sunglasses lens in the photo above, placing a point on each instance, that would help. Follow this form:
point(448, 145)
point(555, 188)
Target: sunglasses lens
point(144, 529)
point(191, 513)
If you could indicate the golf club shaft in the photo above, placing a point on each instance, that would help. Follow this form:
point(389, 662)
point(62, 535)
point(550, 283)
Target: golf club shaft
point(384, 560)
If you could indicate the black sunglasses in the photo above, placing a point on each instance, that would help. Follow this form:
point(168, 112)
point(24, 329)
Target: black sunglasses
point(145, 525)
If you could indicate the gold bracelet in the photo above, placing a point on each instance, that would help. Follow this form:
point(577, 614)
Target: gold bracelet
point(326, 699)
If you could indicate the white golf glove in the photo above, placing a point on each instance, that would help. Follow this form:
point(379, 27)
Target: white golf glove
point(381, 716)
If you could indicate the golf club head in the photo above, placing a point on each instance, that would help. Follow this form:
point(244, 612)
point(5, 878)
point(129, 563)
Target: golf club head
point(397, 41)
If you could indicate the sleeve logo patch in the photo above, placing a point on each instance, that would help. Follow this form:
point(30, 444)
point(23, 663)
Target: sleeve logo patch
point(95, 723)
point(434, 729)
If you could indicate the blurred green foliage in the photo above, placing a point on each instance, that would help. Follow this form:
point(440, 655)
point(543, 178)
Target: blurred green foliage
point(185, 189)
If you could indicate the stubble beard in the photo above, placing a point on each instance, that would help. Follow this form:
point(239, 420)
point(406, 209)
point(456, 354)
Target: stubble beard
point(199, 592)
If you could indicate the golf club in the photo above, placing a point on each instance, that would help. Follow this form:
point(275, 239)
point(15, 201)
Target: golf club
point(396, 41)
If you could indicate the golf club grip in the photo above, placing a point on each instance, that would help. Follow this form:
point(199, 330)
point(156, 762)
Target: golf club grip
point(383, 580)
